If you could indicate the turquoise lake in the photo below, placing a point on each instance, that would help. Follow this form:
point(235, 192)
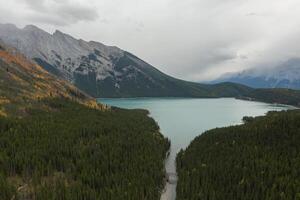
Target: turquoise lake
point(182, 119)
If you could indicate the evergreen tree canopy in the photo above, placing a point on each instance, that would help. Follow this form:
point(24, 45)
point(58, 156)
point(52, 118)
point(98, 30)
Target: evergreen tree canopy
point(76, 152)
point(257, 160)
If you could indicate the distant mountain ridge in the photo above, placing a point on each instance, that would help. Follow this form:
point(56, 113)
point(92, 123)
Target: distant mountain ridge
point(105, 71)
point(285, 75)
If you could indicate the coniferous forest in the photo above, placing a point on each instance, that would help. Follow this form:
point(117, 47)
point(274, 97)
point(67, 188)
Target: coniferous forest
point(257, 160)
point(75, 152)
point(57, 143)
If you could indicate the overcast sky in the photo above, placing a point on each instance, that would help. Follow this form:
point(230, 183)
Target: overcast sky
point(190, 39)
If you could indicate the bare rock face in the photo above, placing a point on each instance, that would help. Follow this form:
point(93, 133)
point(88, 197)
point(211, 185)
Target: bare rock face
point(61, 51)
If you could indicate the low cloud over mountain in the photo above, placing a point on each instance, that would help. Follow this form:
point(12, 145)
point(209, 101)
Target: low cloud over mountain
point(192, 39)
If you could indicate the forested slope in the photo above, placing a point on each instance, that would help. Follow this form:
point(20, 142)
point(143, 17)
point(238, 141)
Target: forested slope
point(56, 143)
point(23, 84)
point(257, 160)
point(275, 95)
point(80, 153)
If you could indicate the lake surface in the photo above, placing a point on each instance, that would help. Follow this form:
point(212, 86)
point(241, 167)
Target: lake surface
point(182, 119)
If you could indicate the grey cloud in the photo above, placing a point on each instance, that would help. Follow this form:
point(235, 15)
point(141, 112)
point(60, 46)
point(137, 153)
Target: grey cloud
point(60, 12)
point(220, 55)
point(243, 57)
point(207, 60)
point(251, 14)
point(190, 39)
point(74, 13)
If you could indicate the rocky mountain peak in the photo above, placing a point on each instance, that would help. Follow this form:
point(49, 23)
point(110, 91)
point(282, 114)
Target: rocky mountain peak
point(32, 28)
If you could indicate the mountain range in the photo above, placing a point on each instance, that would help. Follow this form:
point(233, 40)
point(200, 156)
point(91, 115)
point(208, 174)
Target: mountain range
point(284, 75)
point(104, 71)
